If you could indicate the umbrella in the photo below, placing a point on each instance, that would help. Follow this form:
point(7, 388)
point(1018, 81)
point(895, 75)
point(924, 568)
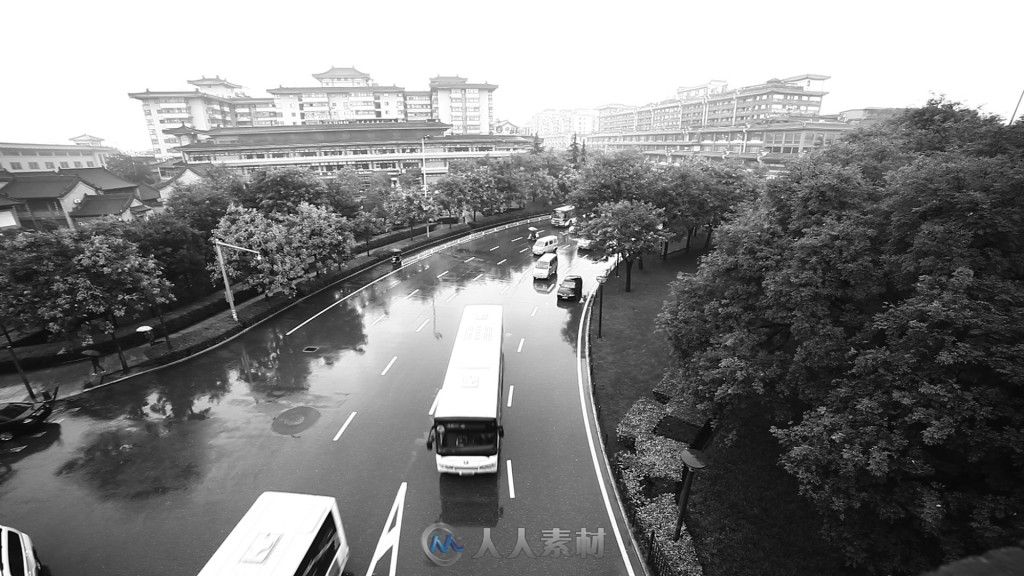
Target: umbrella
point(92, 353)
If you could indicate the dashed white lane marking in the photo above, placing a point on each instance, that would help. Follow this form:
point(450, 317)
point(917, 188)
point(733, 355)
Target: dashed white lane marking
point(452, 296)
point(442, 274)
point(500, 262)
point(411, 294)
point(511, 482)
point(379, 318)
point(470, 259)
point(389, 538)
point(477, 277)
point(521, 340)
point(395, 283)
point(593, 450)
point(564, 246)
point(524, 249)
point(434, 405)
point(425, 322)
point(511, 391)
point(493, 249)
point(388, 367)
point(516, 239)
point(345, 425)
point(534, 313)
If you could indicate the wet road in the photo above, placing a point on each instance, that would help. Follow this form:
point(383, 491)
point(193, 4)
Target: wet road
point(148, 476)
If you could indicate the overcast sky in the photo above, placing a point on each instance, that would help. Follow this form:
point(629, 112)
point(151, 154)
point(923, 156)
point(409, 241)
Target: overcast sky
point(68, 66)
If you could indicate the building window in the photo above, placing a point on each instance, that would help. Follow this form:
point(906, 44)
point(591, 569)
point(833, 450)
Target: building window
point(15, 165)
point(33, 165)
point(49, 165)
point(90, 163)
point(78, 164)
point(64, 165)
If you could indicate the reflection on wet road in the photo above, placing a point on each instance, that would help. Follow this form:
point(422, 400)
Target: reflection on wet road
point(149, 475)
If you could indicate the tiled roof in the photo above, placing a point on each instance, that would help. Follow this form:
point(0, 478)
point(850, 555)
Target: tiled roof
point(148, 193)
point(181, 130)
point(28, 185)
point(111, 204)
point(336, 72)
point(215, 81)
point(7, 202)
point(332, 89)
point(100, 178)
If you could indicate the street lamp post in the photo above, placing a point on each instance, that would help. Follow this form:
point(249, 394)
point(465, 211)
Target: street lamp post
point(17, 364)
point(690, 465)
point(423, 173)
point(224, 271)
point(600, 301)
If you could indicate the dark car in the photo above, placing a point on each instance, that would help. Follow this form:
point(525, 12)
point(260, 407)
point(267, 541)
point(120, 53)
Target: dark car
point(18, 417)
point(571, 288)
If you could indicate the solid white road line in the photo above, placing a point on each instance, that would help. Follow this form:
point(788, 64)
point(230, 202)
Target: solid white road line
point(452, 296)
point(593, 451)
point(516, 239)
point(493, 249)
point(388, 367)
point(434, 405)
point(511, 482)
point(395, 283)
point(389, 538)
point(521, 340)
point(379, 318)
point(345, 425)
point(425, 322)
point(524, 249)
point(500, 262)
point(411, 294)
point(564, 246)
point(477, 277)
point(534, 313)
point(470, 259)
point(442, 274)
point(511, 391)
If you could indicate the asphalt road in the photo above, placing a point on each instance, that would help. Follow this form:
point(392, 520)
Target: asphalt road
point(147, 477)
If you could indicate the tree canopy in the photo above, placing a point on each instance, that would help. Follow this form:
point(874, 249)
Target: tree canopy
point(871, 302)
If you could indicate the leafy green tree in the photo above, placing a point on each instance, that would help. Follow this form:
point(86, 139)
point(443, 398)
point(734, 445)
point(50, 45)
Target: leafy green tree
point(870, 303)
point(281, 191)
point(627, 228)
point(130, 168)
point(574, 152)
point(200, 205)
point(624, 175)
point(451, 193)
point(538, 147)
point(344, 191)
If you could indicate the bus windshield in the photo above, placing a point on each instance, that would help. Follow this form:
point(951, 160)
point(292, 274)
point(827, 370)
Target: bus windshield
point(466, 438)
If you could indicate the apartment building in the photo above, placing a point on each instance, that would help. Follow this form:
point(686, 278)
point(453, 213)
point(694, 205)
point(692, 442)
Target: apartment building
point(86, 152)
point(370, 146)
point(467, 107)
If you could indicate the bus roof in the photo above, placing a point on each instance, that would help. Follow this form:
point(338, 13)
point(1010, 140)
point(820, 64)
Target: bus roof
point(565, 208)
point(273, 536)
point(472, 383)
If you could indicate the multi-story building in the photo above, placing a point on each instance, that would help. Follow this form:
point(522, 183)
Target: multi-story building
point(767, 124)
point(557, 127)
point(342, 95)
point(392, 147)
point(87, 152)
point(506, 127)
point(468, 108)
point(215, 103)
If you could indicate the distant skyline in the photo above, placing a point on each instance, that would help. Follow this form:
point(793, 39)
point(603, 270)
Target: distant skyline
point(70, 66)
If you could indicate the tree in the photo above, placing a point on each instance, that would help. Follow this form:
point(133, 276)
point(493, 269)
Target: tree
point(870, 303)
point(344, 191)
point(130, 168)
point(537, 146)
point(200, 205)
point(574, 152)
point(292, 246)
point(282, 191)
point(627, 228)
point(624, 175)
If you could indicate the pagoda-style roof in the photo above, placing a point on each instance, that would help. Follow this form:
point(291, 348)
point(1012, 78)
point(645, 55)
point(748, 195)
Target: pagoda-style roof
point(338, 72)
point(215, 81)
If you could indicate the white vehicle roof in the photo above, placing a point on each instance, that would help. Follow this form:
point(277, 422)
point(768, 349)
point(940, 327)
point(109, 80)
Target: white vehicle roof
point(545, 239)
point(273, 536)
point(472, 383)
point(547, 258)
point(565, 208)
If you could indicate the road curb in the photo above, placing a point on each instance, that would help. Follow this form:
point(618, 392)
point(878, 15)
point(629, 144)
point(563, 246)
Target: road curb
point(420, 252)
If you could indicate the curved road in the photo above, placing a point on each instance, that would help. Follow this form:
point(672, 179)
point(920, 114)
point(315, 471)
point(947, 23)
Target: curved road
point(333, 397)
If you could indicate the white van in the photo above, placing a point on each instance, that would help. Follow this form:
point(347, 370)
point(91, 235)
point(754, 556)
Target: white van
point(545, 244)
point(546, 266)
point(17, 556)
point(284, 534)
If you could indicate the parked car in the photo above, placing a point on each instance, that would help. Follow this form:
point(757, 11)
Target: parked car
point(21, 417)
point(17, 556)
point(571, 288)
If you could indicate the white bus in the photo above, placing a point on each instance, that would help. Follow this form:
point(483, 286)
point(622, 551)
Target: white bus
point(466, 434)
point(284, 534)
point(564, 216)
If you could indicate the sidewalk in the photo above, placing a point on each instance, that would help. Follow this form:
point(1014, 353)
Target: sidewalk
point(76, 376)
